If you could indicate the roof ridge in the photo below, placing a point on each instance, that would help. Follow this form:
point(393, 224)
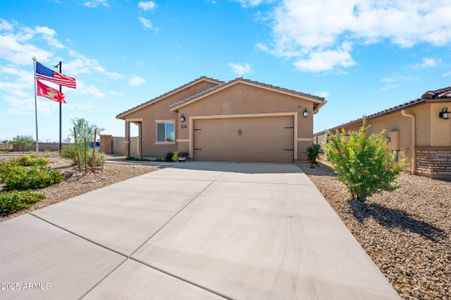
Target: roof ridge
point(200, 94)
point(438, 93)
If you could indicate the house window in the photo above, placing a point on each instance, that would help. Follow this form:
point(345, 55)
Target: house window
point(165, 132)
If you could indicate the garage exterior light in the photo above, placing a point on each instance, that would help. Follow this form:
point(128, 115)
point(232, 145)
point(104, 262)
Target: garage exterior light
point(305, 113)
point(444, 114)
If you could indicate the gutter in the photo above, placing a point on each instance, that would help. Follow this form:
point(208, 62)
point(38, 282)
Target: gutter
point(412, 138)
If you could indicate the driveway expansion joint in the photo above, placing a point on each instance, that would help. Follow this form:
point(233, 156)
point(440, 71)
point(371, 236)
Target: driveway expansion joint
point(127, 257)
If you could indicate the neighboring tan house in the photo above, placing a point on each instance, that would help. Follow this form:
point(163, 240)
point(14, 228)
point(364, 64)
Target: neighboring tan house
point(419, 131)
point(238, 120)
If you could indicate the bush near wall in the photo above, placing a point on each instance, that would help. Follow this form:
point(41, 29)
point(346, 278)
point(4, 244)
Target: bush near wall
point(362, 162)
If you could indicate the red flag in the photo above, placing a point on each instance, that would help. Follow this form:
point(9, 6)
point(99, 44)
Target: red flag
point(49, 92)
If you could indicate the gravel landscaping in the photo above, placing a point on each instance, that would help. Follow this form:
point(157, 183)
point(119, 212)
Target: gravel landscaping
point(78, 183)
point(406, 232)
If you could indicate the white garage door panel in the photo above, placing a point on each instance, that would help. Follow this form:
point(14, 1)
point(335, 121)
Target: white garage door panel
point(244, 139)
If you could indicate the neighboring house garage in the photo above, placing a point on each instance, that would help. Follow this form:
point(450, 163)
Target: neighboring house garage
point(238, 120)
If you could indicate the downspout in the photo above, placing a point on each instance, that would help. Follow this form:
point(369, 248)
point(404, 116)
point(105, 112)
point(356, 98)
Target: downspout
point(412, 138)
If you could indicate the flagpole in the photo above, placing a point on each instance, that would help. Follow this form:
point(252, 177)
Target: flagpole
point(61, 110)
point(35, 105)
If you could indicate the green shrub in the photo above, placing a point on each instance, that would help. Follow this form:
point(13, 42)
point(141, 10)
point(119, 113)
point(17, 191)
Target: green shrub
point(100, 159)
point(70, 152)
point(11, 202)
point(29, 161)
point(5, 167)
point(20, 178)
point(175, 156)
point(362, 162)
point(312, 154)
point(168, 157)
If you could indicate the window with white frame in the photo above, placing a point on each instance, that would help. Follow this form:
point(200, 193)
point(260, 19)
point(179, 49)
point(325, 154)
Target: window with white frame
point(165, 132)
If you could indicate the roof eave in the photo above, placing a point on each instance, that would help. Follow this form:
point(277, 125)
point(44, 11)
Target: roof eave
point(122, 115)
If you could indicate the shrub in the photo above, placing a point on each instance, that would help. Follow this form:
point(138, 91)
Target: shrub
point(29, 161)
point(175, 156)
point(20, 178)
point(100, 159)
point(362, 162)
point(312, 154)
point(168, 157)
point(11, 202)
point(70, 152)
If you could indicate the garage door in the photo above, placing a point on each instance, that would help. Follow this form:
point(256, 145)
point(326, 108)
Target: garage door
point(244, 139)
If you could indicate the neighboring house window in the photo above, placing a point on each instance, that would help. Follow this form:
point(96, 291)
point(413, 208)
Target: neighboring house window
point(165, 132)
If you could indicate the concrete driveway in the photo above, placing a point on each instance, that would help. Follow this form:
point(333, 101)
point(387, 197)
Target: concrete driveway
point(192, 231)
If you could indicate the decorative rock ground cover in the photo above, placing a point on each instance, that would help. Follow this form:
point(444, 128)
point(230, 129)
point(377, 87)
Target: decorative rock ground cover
point(406, 232)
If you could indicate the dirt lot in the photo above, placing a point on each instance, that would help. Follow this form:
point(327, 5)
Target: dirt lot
point(406, 232)
point(79, 183)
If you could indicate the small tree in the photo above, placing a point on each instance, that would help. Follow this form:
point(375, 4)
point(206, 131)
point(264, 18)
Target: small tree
point(83, 133)
point(312, 154)
point(23, 141)
point(362, 162)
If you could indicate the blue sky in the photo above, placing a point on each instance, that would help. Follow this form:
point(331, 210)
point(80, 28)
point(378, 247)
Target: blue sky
point(363, 56)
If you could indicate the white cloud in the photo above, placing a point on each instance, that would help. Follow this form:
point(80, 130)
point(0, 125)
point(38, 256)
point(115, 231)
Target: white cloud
point(240, 69)
point(5, 25)
point(19, 52)
point(20, 105)
point(147, 5)
point(135, 80)
point(252, 3)
point(86, 89)
point(427, 62)
point(95, 3)
point(18, 44)
point(305, 30)
point(48, 34)
point(145, 22)
point(323, 94)
point(391, 82)
point(85, 65)
point(114, 93)
point(326, 60)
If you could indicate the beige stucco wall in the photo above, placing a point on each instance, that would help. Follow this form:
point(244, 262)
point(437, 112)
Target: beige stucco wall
point(430, 129)
point(160, 111)
point(440, 128)
point(245, 99)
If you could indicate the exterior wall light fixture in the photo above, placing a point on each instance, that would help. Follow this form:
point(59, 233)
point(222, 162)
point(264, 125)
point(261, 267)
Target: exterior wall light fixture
point(182, 118)
point(305, 113)
point(444, 114)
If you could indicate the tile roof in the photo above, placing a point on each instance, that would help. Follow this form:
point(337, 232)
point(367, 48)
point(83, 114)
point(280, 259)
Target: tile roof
point(122, 114)
point(439, 95)
point(240, 79)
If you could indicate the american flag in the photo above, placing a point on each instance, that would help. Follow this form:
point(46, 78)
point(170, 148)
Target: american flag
point(44, 73)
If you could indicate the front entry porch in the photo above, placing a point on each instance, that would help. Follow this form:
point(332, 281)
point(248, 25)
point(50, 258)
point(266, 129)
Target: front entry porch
point(127, 141)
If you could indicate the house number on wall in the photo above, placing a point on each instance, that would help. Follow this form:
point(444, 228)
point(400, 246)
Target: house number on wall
point(183, 126)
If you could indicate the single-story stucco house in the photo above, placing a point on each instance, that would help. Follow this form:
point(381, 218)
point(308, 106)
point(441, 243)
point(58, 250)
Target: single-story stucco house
point(418, 131)
point(237, 120)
